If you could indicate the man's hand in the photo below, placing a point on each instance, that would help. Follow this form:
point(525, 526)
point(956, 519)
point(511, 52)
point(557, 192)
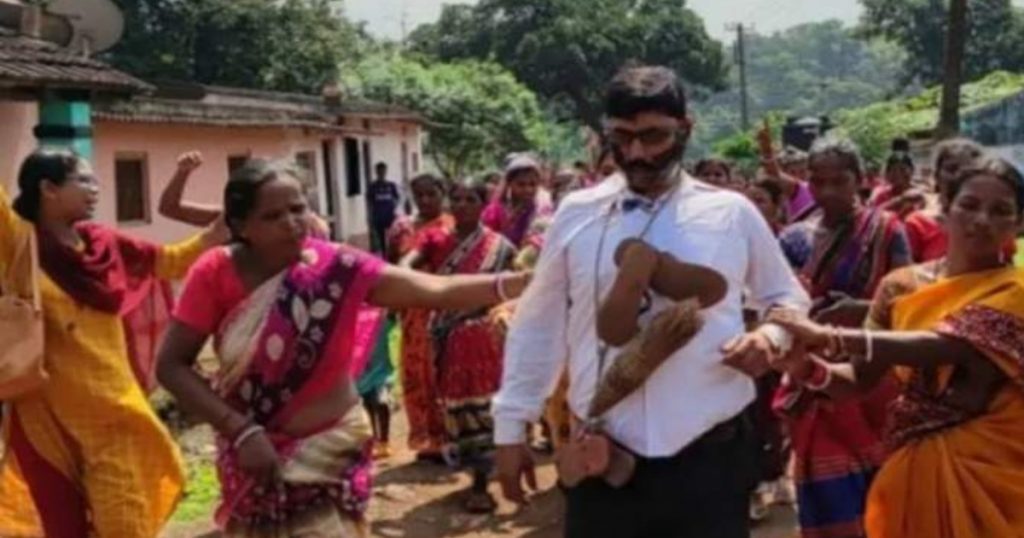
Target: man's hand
point(513, 463)
point(189, 162)
point(750, 353)
point(810, 336)
point(797, 364)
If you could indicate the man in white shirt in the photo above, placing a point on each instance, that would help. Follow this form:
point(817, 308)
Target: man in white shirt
point(694, 458)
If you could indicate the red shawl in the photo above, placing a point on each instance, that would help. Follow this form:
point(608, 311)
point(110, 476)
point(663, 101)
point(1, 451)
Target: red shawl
point(114, 274)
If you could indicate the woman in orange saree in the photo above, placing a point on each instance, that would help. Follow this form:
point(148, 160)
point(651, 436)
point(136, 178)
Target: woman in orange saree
point(955, 341)
point(86, 454)
point(418, 376)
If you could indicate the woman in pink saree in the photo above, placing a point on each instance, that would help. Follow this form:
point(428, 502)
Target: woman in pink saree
point(289, 316)
point(519, 202)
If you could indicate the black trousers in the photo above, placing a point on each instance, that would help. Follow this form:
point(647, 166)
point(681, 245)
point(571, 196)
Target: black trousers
point(379, 232)
point(701, 492)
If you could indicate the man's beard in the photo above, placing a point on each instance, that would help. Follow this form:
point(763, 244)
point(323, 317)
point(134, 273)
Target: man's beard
point(644, 175)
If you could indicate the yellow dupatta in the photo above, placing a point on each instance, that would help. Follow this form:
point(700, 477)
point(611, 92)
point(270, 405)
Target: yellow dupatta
point(966, 481)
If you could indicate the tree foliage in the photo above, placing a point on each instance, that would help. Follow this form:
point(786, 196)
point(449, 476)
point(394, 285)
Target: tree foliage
point(995, 41)
point(477, 111)
point(287, 45)
point(873, 127)
point(808, 70)
point(568, 50)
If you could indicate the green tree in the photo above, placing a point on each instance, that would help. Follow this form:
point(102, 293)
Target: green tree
point(568, 50)
point(874, 126)
point(808, 70)
point(995, 40)
point(477, 112)
point(289, 45)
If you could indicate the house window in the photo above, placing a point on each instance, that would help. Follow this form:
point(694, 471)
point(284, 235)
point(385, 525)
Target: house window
point(405, 162)
point(235, 162)
point(353, 169)
point(367, 159)
point(132, 186)
point(330, 188)
point(306, 163)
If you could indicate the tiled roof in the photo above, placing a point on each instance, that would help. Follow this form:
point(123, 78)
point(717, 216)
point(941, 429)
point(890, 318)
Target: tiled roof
point(235, 107)
point(163, 110)
point(354, 106)
point(32, 63)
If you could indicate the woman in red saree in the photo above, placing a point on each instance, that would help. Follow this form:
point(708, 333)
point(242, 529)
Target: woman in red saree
point(468, 346)
point(841, 253)
point(926, 228)
point(284, 310)
point(418, 378)
point(899, 195)
point(519, 202)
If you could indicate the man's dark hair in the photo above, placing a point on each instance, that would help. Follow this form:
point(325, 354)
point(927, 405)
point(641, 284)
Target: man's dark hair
point(638, 89)
point(381, 166)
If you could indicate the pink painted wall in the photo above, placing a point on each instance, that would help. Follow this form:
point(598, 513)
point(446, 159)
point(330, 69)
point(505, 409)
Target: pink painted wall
point(162, 143)
point(17, 119)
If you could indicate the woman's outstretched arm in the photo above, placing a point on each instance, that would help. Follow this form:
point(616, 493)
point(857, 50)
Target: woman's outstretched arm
point(400, 288)
point(873, 354)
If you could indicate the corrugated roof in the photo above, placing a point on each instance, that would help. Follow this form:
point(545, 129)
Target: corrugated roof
point(32, 63)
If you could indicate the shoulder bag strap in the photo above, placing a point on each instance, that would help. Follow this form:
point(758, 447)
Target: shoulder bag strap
point(35, 275)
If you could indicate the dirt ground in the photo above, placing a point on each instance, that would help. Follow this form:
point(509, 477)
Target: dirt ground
point(422, 500)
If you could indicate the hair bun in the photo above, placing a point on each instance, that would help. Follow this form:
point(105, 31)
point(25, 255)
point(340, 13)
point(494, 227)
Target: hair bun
point(900, 145)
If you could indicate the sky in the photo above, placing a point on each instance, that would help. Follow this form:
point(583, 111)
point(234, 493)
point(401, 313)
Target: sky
point(384, 17)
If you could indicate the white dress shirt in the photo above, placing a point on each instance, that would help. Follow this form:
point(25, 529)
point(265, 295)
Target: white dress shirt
point(554, 324)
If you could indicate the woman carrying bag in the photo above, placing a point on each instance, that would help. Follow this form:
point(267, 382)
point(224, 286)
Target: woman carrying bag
point(87, 456)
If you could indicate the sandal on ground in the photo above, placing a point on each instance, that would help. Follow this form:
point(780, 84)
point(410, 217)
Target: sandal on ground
point(430, 456)
point(381, 451)
point(759, 510)
point(480, 502)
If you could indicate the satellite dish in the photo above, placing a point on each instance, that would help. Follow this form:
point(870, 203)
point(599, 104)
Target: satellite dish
point(97, 24)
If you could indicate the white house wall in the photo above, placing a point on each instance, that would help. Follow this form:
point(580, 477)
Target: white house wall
point(385, 138)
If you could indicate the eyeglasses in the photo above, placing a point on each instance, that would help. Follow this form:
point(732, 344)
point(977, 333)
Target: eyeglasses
point(648, 137)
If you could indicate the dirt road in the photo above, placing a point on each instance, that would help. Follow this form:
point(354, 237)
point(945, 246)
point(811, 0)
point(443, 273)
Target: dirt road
point(423, 500)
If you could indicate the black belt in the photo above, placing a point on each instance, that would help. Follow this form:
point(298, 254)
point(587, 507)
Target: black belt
point(722, 434)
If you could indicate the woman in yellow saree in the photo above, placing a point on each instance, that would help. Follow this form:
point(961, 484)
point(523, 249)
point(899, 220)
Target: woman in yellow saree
point(954, 339)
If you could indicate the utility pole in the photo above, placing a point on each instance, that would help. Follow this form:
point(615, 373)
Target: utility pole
point(405, 24)
point(741, 61)
point(956, 36)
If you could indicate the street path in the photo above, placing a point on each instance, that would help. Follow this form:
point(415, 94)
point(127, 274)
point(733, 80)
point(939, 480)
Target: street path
point(423, 500)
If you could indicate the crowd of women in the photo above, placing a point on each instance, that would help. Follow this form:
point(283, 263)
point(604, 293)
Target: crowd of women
point(899, 413)
point(293, 318)
point(899, 409)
